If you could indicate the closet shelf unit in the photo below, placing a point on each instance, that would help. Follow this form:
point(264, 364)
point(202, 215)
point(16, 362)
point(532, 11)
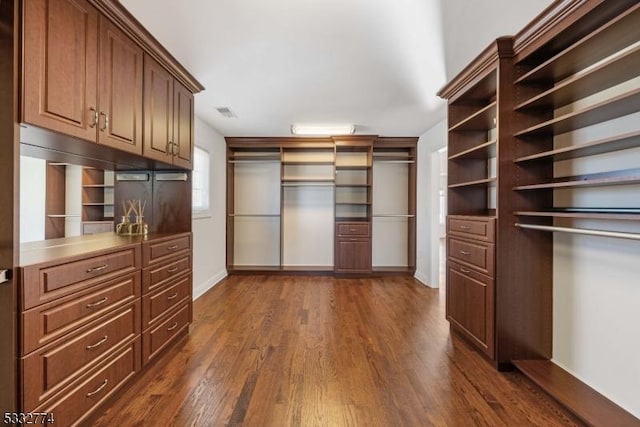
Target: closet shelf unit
point(97, 201)
point(576, 80)
point(306, 204)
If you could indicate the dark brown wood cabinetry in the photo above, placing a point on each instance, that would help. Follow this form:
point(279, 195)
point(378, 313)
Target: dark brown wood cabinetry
point(168, 106)
point(353, 247)
point(82, 75)
point(90, 321)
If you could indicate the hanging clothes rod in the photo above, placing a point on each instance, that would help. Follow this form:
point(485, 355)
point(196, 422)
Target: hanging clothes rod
point(600, 233)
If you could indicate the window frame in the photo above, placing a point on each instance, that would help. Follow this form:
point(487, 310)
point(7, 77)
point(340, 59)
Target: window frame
point(203, 211)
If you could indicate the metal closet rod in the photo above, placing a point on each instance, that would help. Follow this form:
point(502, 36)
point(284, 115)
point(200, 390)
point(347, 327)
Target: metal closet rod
point(600, 233)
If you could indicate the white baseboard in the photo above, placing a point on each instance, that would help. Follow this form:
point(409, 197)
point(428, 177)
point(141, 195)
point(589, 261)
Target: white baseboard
point(422, 278)
point(203, 287)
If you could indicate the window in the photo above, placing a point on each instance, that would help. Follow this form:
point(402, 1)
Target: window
point(200, 182)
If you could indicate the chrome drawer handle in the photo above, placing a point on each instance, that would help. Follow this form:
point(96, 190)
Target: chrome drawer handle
point(96, 269)
point(465, 253)
point(172, 327)
point(174, 296)
point(464, 270)
point(97, 303)
point(98, 344)
point(96, 391)
point(106, 122)
point(94, 114)
point(352, 229)
point(464, 227)
point(172, 270)
point(173, 248)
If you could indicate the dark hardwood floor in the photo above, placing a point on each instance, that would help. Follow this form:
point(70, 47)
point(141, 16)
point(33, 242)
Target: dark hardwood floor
point(320, 351)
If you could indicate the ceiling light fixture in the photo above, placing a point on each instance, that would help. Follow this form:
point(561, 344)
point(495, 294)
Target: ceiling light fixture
point(323, 130)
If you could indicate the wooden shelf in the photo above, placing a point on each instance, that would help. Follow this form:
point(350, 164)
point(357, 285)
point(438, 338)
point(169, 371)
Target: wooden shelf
point(617, 143)
point(604, 215)
point(307, 163)
point(98, 186)
point(476, 183)
point(486, 150)
point(605, 179)
point(97, 204)
point(612, 108)
point(354, 203)
point(351, 167)
point(597, 45)
point(308, 180)
point(480, 120)
point(343, 218)
point(353, 185)
point(615, 70)
point(587, 404)
point(481, 93)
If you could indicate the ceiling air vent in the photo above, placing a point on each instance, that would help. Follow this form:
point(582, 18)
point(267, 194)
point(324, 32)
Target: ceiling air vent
point(226, 112)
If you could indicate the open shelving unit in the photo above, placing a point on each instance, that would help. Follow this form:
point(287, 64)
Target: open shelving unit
point(577, 95)
point(97, 201)
point(394, 205)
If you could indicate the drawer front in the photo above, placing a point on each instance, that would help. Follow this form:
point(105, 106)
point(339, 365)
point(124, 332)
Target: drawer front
point(353, 229)
point(477, 255)
point(47, 322)
point(477, 228)
point(160, 336)
point(157, 276)
point(75, 404)
point(64, 279)
point(156, 251)
point(157, 304)
point(46, 371)
point(470, 305)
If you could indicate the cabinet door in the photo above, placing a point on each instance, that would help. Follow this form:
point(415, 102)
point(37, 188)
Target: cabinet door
point(182, 125)
point(60, 66)
point(158, 111)
point(353, 256)
point(120, 100)
point(470, 305)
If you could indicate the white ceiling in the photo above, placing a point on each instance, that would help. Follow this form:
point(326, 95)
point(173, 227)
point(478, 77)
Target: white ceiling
point(374, 63)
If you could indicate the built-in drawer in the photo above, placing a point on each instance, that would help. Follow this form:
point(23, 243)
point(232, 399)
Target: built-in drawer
point(470, 305)
point(477, 255)
point(47, 370)
point(161, 249)
point(472, 227)
point(44, 323)
point(359, 229)
point(42, 284)
point(74, 404)
point(156, 276)
point(159, 337)
point(158, 303)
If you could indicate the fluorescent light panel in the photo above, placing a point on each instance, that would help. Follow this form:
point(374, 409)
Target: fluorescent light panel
point(322, 129)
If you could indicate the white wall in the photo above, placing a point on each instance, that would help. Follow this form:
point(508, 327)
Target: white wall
point(209, 245)
point(427, 256)
point(32, 198)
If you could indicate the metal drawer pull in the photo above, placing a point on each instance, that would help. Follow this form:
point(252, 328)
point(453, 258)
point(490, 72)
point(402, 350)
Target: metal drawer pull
point(172, 327)
point(98, 344)
point(464, 270)
point(353, 229)
point(464, 227)
point(96, 269)
point(465, 253)
point(97, 303)
point(106, 122)
point(103, 385)
point(94, 121)
point(173, 248)
point(353, 239)
point(172, 270)
point(174, 296)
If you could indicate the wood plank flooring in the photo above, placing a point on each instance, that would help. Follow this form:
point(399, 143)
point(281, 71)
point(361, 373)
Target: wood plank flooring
point(320, 351)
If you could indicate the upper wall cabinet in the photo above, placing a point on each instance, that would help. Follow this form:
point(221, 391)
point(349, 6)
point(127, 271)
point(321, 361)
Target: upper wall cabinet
point(82, 75)
point(169, 114)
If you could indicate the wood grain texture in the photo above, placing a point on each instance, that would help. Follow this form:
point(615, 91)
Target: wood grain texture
point(321, 351)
